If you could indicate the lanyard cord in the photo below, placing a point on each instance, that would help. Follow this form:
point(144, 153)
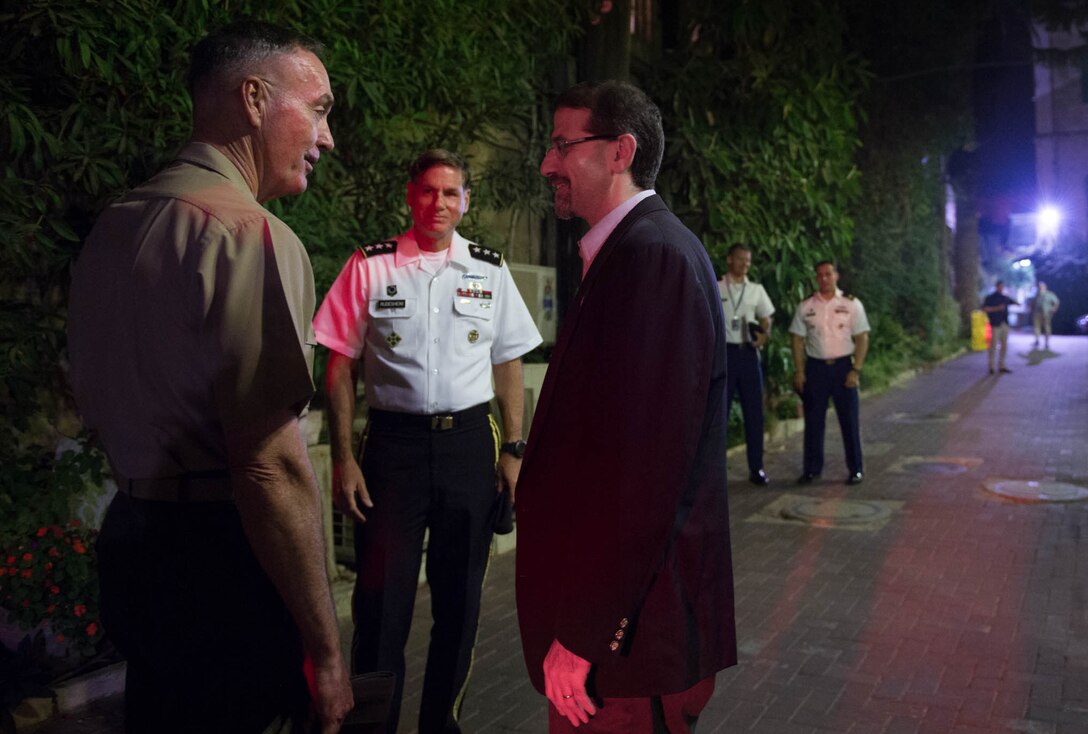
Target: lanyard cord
point(740, 300)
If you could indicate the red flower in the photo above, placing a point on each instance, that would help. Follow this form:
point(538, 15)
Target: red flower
point(3, 572)
point(54, 553)
point(28, 556)
point(41, 532)
point(54, 589)
point(51, 608)
point(57, 532)
point(79, 610)
point(48, 566)
point(77, 546)
point(92, 629)
point(11, 560)
point(27, 573)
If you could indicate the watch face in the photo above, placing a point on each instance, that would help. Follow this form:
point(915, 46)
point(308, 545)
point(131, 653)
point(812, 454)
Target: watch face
point(515, 448)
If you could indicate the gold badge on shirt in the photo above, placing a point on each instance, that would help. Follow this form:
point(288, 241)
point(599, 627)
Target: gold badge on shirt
point(473, 336)
point(393, 339)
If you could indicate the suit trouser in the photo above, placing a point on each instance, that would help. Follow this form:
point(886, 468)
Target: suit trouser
point(672, 713)
point(999, 339)
point(827, 379)
point(744, 379)
point(209, 643)
point(420, 479)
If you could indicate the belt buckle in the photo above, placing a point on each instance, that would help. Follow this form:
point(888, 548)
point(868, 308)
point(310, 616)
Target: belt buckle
point(830, 362)
point(441, 422)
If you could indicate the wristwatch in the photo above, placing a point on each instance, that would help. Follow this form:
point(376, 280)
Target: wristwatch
point(514, 448)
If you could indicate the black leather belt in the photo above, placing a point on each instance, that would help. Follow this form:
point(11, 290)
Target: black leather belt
point(202, 486)
point(425, 423)
point(830, 362)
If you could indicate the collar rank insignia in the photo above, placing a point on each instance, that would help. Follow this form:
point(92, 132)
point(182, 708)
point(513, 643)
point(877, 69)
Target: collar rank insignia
point(388, 247)
point(486, 254)
point(390, 290)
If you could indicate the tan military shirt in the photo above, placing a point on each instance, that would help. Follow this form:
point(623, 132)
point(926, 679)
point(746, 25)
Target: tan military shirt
point(189, 317)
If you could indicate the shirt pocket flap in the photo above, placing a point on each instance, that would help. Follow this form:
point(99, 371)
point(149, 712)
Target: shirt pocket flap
point(479, 308)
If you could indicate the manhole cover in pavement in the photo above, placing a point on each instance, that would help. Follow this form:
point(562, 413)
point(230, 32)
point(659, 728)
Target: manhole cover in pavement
point(830, 512)
point(1027, 491)
point(923, 417)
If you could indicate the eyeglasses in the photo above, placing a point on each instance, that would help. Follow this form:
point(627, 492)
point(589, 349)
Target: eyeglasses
point(562, 146)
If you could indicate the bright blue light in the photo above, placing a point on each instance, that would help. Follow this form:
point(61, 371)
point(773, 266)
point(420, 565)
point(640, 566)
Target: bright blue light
point(1047, 221)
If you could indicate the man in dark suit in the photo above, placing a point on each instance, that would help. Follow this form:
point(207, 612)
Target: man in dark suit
point(624, 573)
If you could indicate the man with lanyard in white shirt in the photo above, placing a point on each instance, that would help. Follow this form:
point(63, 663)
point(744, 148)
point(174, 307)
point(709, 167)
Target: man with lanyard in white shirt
point(433, 317)
point(830, 338)
point(748, 312)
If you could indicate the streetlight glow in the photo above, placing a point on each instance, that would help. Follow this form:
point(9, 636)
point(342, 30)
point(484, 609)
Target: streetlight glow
point(1047, 221)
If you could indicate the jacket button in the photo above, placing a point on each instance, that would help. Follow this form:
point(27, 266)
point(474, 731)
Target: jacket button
point(619, 634)
point(613, 646)
point(624, 623)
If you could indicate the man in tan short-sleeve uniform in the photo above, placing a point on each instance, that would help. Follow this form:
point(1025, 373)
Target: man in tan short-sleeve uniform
point(191, 358)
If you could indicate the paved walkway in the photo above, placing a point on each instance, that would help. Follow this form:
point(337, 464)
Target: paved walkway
point(959, 612)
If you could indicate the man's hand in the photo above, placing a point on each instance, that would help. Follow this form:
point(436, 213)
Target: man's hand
point(799, 382)
point(853, 379)
point(565, 684)
point(349, 492)
point(330, 692)
point(506, 474)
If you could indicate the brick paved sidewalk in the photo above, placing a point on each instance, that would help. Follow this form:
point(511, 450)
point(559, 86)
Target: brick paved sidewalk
point(962, 613)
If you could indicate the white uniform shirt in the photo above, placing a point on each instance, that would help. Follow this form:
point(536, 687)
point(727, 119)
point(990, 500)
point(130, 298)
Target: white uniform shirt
point(829, 327)
point(742, 302)
point(427, 336)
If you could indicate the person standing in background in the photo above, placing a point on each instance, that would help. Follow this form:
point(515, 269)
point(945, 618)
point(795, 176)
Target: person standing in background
point(829, 341)
point(748, 312)
point(996, 307)
point(1046, 303)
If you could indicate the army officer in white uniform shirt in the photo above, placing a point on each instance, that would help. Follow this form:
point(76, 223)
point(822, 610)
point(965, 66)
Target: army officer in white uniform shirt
point(829, 340)
point(433, 317)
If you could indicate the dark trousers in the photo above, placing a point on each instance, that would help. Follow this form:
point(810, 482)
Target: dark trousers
point(744, 379)
point(209, 642)
point(673, 713)
point(823, 381)
point(420, 479)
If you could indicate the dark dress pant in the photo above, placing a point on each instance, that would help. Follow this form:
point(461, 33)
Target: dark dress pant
point(209, 643)
point(824, 381)
point(420, 479)
point(744, 379)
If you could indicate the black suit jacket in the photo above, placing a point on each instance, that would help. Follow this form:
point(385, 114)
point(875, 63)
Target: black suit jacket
point(623, 530)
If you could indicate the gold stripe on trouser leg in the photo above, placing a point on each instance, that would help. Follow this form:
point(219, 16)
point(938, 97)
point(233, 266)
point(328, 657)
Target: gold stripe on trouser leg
point(460, 699)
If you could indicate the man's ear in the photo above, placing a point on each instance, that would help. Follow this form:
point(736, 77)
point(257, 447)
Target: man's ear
point(625, 153)
point(254, 99)
point(468, 195)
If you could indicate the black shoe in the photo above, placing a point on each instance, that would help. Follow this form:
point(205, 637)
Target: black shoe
point(855, 478)
point(807, 478)
point(991, 370)
point(759, 478)
point(1006, 370)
